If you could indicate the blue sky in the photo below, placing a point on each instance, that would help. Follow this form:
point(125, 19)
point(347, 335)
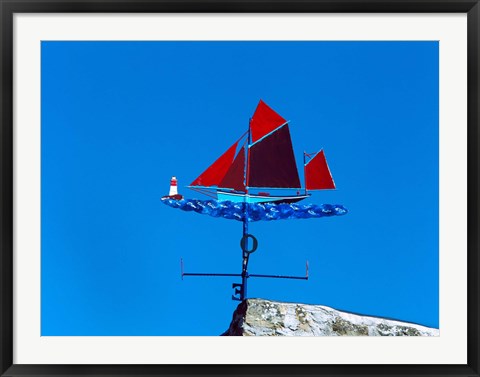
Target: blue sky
point(120, 118)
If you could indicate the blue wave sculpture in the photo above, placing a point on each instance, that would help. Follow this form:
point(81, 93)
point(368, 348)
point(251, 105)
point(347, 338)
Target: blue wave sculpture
point(256, 211)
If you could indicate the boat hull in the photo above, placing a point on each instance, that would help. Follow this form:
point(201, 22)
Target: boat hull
point(252, 198)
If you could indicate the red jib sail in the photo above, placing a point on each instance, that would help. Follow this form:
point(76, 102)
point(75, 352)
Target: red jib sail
point(216, 172)
point(234, 179)
point(264, 121)
point(272, 162)
point(317, 173)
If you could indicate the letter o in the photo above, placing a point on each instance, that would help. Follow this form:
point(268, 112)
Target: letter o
point(244, 243)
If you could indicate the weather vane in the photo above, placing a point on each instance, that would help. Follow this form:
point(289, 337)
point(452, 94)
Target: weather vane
point(253, 181)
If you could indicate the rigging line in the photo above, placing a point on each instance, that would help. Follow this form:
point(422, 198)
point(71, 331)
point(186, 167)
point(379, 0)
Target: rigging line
point(311, 158)
point(273, 188)
point(213, 187)
point(204, 192)
point(240, 138)
point(207, 193)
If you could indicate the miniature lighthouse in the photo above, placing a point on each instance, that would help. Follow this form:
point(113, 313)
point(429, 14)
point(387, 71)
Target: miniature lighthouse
point(173, 194)
point(173, 187)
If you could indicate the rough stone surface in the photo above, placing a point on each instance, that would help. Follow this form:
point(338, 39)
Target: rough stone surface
point(257, 317)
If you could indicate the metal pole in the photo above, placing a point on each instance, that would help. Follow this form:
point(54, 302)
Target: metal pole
point(245, 255)
point(243, 293)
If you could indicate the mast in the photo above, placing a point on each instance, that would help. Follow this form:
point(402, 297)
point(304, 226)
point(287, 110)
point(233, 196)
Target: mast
point(247, 154)
point(305, 170)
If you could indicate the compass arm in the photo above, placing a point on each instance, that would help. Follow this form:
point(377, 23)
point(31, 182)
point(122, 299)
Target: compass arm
point(282, 276)
point(278, 276)
point(207, 274)
point(240, 289)
point(183, 273)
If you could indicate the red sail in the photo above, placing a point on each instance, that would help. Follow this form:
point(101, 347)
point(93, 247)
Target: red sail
point(272, 162)
point(235, 176)
point(317, 173)
point(215, 172)
point(264, 121)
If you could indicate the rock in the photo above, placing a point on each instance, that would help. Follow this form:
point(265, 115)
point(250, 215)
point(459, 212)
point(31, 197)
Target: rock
point(257, 317)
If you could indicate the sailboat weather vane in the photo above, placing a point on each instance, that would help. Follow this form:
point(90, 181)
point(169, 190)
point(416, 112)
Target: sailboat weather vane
point(241, 181)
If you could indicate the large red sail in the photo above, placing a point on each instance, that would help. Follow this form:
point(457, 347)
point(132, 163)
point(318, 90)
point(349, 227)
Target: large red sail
point(272, 162)
point(264, 121)
point(317, 173)
point(216, 172)
point(235, 176)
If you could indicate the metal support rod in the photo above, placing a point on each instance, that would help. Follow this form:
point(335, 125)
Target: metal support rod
point(201, 273)
point(278, 276)
point(243, 291)
point(207, 274)
point(245, 255)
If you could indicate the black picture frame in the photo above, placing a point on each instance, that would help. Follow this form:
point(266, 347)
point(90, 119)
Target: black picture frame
point(7, 10)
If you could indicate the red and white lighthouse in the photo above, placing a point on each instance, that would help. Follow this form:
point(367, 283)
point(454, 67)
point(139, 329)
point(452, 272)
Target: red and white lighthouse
point(173, 187)
point(173, 193)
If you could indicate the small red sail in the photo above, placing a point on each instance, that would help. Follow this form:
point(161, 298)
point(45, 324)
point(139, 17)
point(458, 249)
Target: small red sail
point(235, 176)
point(272, 162)
point(216, 172)
point(317, 173)
point(264, 121)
